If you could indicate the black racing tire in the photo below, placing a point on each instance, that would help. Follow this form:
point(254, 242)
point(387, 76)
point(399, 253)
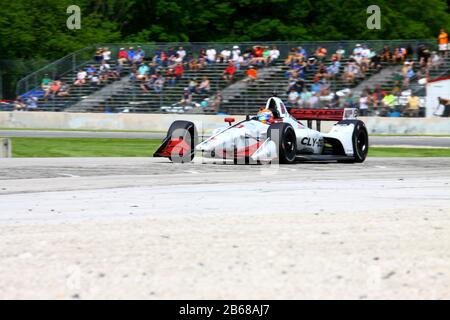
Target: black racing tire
point(283, 134)
point(360, 140)
point(187, 131)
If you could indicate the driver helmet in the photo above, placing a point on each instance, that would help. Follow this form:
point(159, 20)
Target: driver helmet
point(265, 115)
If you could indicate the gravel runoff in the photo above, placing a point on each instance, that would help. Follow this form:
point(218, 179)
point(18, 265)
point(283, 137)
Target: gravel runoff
point(147, 229)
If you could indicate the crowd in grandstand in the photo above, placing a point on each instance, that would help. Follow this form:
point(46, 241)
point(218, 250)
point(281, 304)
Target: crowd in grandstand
point(351, 68)
point(310, 75)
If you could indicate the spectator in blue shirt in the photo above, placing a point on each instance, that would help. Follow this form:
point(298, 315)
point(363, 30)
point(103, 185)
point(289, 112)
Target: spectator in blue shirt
point(131, 53)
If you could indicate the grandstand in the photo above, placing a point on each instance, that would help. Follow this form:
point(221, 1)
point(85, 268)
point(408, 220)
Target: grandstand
point(124, 94)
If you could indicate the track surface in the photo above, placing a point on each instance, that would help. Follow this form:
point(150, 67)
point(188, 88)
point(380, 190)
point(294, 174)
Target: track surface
point(145, 228)
point(419, 141)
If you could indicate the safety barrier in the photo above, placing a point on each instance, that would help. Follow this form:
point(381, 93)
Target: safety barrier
point(205, 123)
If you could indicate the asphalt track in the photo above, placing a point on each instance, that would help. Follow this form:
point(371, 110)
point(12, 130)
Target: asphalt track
point(408, 141)
point(149, 229)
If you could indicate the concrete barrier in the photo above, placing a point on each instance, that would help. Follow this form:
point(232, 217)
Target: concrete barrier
point(5, 148)
point(205, 123)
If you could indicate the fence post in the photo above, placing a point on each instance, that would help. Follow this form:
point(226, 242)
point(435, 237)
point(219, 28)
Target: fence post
point(5, 148)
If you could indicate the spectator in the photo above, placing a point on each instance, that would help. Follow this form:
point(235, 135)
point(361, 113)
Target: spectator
point(334, 67)
point(252, 74)
point(91, 69)
point(399, 54)
point(386, 54)
point(274, 54)
point(117, 73)
point(81, 78)
point(293, 98)
point(377, 98)
point(217, 102)
point(54, 89)
point(31, 103)
point(316, 87)
point(95, 80)
point(388, 103)
point(195, 64)
point(193, 85)
point(179, 71)
point(375, 62)
point(105, 69)
point(350, 72)
point(340, 53)
point(357, 50)
point(181, 53)
point(412, 106)
point(302, 54)
point(158, 85)
point(443, 42)
point(350, 101)
point(106, 54)
point(225, 55)
point(321, 53)
point(313, 101)
point(46, 83)
point(147, 85)
point(64, 90)
point(170, 76)
point(436, 61)
point(211, 55)
point(202, 54)
point(312, 64)
point(130, 54)
point(123, 55)
point(19, 104)
point(143, 72)
point(205, 86)
point(236, 54)
point(229, 72)
point(297, 85)
point(304, 100)
point(258, 51)
point(407, 73)
point(237, 58)
point(363, 105)
point(98, 57)
point(187, 98)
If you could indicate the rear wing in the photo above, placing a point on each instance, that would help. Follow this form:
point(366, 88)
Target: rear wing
point(319, 115)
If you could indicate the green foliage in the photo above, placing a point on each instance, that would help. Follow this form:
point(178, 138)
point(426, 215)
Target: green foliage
point(30, 29)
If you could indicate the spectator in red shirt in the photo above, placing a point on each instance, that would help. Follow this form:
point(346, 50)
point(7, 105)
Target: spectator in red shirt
point(123, 55)
point(229, 72)
point(258, 51)
point(179, 70)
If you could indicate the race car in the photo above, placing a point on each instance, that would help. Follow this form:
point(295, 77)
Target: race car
point(282, 137)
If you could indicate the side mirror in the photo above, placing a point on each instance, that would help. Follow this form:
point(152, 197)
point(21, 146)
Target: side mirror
point(230, 121)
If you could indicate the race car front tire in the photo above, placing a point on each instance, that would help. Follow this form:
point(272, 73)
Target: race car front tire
point(360, 140)
point(283, 134)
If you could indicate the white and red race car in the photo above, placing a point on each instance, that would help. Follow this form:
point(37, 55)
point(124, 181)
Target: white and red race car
point(284, 139)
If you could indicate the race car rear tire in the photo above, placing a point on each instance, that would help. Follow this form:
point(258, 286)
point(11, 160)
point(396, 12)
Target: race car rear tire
point(186, 131)
point(360, 140)
point(283, 134)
